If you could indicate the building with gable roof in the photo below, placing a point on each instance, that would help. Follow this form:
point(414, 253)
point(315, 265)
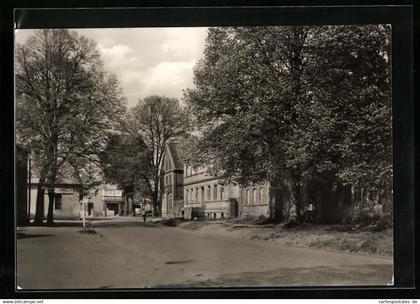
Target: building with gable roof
point(196, 193)
point(173, 180)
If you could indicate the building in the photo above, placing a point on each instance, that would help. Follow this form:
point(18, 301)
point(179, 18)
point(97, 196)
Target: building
point(196, 193)
point(112, 200)
point(103, 200)
point(67, 203)
point(173, 181)
point(205, 195)
point(21, 180)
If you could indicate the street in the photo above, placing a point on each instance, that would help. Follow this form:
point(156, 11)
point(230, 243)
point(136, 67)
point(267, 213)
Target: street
point(132, 254)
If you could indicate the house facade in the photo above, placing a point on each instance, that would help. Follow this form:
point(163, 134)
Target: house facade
point(67, 203)
point(196, 193)
point(206, 195)
point(103, 200)
point(173, 181)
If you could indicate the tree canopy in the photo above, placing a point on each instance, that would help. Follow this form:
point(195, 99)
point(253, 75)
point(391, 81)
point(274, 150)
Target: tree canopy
point(294, 104)
point(156, 120)
point(65, 103)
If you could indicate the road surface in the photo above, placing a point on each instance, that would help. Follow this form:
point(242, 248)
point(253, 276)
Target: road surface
point(144, 255)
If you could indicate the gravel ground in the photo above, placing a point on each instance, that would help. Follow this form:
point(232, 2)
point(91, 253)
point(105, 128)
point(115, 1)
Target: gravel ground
point(325, 237)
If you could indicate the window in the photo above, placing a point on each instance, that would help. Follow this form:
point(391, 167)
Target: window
point(254, 196)
point(58, 203)
point(90, 208)
point(358, 195)
point(209, 193)
point(372, 194)
point(215, 192)
point(261, 195)
point(186, 195)
point(202, 194)
point(196, 194)
point(222, 191)
point(248, 197)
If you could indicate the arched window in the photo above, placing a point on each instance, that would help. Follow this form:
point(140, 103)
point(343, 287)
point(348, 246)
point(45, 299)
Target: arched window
point(222, 191)
point(262, 195)
point(255, 196)
point(169, 203)
point(209, 193)
point(215, 192)
point(248, 197)
point(196, 194)
point(186, 195)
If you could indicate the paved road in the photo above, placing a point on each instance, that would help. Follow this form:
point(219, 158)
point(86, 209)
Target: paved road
point(137, 255)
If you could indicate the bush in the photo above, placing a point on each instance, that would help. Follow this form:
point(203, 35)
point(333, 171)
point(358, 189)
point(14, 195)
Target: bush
point(370, 214)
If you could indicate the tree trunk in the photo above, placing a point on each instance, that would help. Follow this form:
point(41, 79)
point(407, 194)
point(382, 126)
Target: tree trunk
point(125, 203)
point(130, 203)
point(51, 197)
point(39, 213)
point(155, 203)
point(294, 204)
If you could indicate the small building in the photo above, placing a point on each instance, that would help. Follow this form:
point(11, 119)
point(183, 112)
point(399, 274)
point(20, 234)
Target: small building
point(112, 201)
point(67, 204)
point(173, 180)
point(105, 200)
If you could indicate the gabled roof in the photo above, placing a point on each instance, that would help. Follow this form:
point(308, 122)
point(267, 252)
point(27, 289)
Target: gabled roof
point(175, 152)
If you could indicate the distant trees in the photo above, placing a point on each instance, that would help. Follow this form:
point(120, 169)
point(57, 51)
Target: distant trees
point(156, 120)
point(296, 105)
point(65, 104)
point(126, 161)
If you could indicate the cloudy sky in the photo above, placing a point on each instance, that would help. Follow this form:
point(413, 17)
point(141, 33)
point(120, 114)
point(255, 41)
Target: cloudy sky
point(147, 60)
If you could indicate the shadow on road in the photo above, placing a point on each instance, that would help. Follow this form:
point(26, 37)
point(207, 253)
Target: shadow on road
point(56, 224)
point(124, 224)
point(22, 235)
point(366, 275)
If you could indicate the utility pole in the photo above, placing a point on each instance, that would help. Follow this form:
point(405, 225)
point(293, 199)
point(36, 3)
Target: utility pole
point(84, 203)
point(29, 187)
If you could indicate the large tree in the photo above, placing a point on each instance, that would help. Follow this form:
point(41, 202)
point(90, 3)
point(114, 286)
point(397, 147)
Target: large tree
point(126, 162)
point(281, 103)
point(65, 104)
point(157, 120)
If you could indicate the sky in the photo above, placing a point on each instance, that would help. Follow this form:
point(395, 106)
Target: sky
point(147, 61)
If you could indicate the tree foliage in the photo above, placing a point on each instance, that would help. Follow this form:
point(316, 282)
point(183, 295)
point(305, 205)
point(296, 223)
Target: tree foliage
point(296, 105)
point(126, 162)
point(65, 103)
point(156, 120)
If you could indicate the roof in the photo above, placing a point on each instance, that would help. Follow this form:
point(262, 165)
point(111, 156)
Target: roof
point(176, 153)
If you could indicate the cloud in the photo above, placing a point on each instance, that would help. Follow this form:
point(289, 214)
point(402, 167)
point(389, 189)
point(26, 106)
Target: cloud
point(147, 60)
point(168, 78)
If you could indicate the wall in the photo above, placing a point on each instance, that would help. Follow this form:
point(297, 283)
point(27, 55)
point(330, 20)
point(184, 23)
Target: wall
point(216, 199)
point(256, 203)
point(70, 203)
point(21, 187)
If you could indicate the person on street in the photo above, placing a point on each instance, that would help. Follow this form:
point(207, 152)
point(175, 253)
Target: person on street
point(144, 215)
